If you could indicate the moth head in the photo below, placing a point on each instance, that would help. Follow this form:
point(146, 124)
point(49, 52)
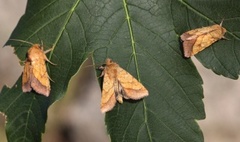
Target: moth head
point(34, 48)
point(37, 46)
point(35, 52)
point(109, 61)
point(223, 32)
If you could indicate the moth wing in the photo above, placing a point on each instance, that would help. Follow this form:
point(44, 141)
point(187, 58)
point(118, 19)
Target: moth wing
point(26, 77)
point(188, 47)
point(188, 43)
point(188, 36)
point(40, 79)
point(131, 87)
point(108, 99)
point(203, 42)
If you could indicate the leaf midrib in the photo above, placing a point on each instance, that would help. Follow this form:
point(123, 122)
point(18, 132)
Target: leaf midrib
point(135, 57)
point(132, 38)
point(64, 26)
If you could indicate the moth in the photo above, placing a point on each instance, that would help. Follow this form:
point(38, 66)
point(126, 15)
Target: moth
point(197, 40)
point(118, 84)
point(35, 74)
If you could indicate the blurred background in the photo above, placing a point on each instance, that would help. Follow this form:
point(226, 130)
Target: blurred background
point(222, 97)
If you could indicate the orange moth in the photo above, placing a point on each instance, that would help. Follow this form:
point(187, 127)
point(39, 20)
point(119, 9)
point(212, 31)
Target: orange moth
point(118, 84)
point(35, 74)
point(197, 40)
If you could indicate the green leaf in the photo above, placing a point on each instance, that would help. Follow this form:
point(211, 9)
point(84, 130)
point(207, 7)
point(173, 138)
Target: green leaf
point(57, 25)
point(140, 37)
point(26, 114)
point(222, 57)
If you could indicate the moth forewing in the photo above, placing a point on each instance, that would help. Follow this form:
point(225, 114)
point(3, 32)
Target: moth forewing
point(40, 82)
point(131, 87)
point(35, 74)
point(40, 87)
point(188, 47)
point(27, 71)
point(197, 40)
point(108, 99)
point(107, 106)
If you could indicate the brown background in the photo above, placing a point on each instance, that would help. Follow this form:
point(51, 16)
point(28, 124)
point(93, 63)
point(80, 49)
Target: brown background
point(222, 96)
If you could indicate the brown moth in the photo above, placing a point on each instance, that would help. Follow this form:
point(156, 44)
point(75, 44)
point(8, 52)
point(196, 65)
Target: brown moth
point(197, 40)
point(118, 84)
point(35, 74)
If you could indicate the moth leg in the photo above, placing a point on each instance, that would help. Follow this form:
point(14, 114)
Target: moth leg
point(52, 64)
point(118, 90)
point(49, 78)
point(102, 67)
point(122, 92)
point(102, 74)
point(47, 50)
point(119, 98)
point(50, 61)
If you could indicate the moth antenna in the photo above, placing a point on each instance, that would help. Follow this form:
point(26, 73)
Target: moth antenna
point(50, 62)
point(22, 41)
point(221, 22)
point(45, 52)
point(99, 65)
point(42, 46)
point(225, 38)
